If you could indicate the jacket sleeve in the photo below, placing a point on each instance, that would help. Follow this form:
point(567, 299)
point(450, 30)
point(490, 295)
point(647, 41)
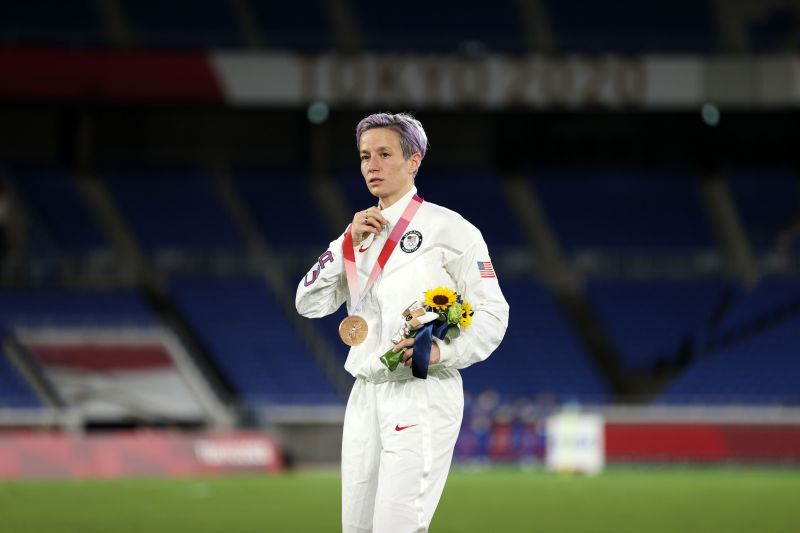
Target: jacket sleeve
point(324, 287)
point(490, 320)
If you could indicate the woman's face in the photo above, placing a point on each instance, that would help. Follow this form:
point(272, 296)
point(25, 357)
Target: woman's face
point(387, 174)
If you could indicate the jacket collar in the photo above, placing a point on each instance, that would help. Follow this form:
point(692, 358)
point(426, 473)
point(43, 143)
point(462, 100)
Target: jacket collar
point(392, 213)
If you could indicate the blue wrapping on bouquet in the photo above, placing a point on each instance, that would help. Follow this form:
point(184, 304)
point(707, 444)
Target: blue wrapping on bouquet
point(421, 359)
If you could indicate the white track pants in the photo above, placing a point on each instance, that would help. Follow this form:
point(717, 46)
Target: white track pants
point(396, 451)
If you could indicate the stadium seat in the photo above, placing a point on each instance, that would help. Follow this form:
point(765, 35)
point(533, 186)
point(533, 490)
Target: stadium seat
point(60, 220)
point(51, 22)
point(303, 26)
point(448, 26)
point(272, 197)
point(767, 199)
point(182, 23)
point(251, 340)
point(14, 390)
point(60, 308)
point(175, 209)
point(751, 356)
point(650, 321)
point(631, 26)
point(539, 354)
point(73, 308)
point(624, 210)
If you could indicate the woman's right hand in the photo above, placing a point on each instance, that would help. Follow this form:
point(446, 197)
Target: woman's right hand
point(366, 222)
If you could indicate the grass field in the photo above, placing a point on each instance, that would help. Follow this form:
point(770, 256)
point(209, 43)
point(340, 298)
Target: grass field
point(495, 501)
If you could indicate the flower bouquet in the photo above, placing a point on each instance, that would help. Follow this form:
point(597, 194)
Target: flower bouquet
point(442, 313)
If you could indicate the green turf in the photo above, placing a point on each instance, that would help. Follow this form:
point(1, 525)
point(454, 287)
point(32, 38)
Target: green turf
point(497, 501)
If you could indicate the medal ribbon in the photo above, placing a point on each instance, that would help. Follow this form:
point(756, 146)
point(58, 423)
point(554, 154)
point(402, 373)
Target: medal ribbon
point(350, 268)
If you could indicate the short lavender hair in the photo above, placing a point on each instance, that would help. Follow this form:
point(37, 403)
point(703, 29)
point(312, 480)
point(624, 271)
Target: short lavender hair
point(412, 134)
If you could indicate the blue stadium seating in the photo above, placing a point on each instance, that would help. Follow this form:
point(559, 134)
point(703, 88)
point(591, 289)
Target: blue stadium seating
point(767, 200)
point(762, 368)
point(774, 31)
point(649, 320)
point(182, 23)
point(72, 308)
point(174, 210)
point(303, 26)
point(751, 356)
point(51, 22)
point(61, 308)
point(14, 390)
point(539, 354)
point(273, 197)
point(251, 340)
point(625, 209)
point(59, 217)
point(631, 26)
point(448, 26)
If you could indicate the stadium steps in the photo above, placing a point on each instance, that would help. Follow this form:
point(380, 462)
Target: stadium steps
point(343, 23)
point(243, 14)
point(114, 23)
point(278, 282)
point(31, 372)
point(538, 32)
point(728, 227)
point(95, 193)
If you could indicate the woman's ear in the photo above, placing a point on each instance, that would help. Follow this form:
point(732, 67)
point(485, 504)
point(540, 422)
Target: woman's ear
point(414, 162)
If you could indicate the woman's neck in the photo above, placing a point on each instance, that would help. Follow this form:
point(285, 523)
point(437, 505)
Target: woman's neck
point(391, 199)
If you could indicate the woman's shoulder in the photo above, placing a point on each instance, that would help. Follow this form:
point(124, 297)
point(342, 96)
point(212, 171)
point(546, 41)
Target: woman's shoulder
point(449, 219)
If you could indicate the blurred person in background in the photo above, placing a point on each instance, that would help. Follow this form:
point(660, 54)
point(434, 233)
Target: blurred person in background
point(400, 430)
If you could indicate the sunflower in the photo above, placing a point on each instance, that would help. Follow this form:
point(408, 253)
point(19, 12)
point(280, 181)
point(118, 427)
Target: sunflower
point(440, 298)
point(466, 315)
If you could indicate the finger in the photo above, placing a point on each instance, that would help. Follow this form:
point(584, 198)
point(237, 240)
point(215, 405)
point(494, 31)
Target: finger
point(405, 343)
point(371, 220)
point(373, 226)
point(407, 362)
point(375, 213)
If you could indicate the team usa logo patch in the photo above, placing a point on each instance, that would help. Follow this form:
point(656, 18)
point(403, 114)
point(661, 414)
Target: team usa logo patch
point(486, 269)
point(411, 241)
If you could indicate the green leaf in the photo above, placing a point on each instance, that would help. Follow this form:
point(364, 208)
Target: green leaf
point(454, 313)
point(452, 333)
point(392, 359)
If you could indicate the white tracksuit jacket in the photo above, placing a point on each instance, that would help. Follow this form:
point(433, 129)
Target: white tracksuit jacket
point(400, 432)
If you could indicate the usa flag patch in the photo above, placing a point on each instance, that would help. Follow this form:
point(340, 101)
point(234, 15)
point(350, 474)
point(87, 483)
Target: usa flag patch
point(486, 269)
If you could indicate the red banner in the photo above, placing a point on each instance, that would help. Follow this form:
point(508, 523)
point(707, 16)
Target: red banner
point(104, 75)
point(702, 442)
point(143, 453)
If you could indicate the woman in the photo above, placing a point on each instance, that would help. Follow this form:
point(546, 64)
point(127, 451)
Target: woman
point(400, 431)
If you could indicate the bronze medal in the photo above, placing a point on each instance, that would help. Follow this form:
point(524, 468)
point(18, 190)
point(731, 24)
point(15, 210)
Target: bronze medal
point(353, 330)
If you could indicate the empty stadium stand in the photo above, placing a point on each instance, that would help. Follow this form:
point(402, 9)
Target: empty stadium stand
point(51, 22)
point(59, 219)
point(173, 209)
point(273, 198)
point(751, 356)
point(652, 321)
point(448, 26)
point(251, 340)
point(540, 352)
point(183, 23)
point(631, 26)
point(59, 308)
point(626, 210)
point(768, 202)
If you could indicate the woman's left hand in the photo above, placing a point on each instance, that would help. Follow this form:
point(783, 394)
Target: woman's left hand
point(408, 344)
